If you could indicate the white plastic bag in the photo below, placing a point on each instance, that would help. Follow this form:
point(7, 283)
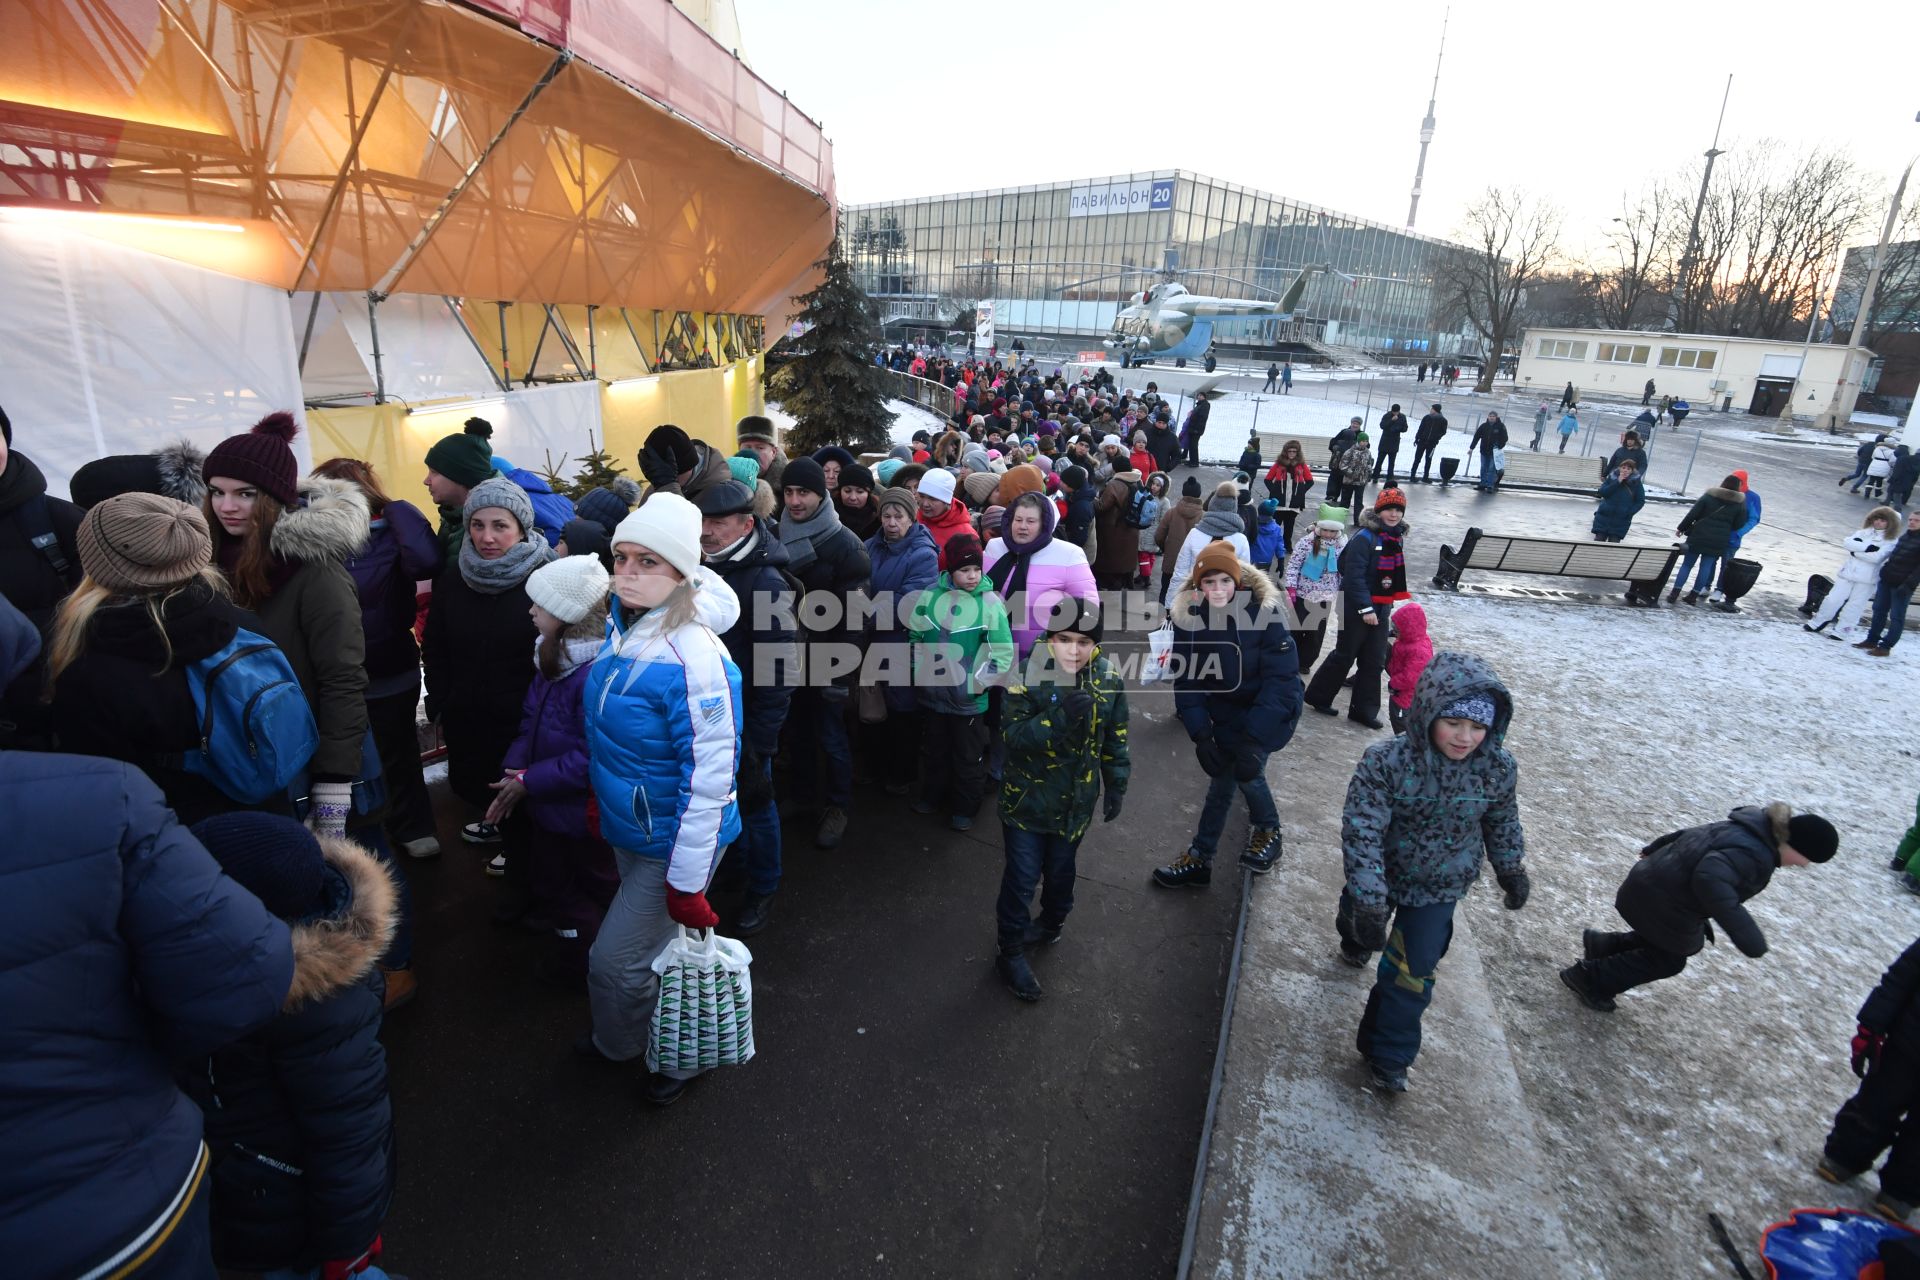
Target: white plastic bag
point(704, 1015)
point(1159, 650)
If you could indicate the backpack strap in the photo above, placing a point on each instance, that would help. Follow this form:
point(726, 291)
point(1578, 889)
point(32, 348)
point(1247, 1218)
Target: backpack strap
point(35, 519)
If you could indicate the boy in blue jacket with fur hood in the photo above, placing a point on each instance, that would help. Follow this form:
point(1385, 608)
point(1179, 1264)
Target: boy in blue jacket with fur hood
point(1422, 812)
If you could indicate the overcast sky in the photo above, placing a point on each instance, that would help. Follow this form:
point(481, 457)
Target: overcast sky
point(1323, 102)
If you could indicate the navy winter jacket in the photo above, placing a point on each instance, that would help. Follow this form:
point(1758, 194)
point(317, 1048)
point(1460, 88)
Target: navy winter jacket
point(400, 552)
point(120, 943)
point(308, 1091)
point(1619, 503)
point(1241, 683)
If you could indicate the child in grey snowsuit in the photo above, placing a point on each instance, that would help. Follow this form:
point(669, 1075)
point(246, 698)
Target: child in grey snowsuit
point(1422, 812)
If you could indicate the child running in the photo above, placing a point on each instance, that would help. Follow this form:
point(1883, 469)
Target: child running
point(1422, 810)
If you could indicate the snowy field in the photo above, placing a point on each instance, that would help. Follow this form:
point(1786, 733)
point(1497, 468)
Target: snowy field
point(1540, 1138)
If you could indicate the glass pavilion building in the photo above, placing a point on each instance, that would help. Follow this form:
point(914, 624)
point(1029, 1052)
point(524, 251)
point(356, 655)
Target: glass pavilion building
point(1064, 258)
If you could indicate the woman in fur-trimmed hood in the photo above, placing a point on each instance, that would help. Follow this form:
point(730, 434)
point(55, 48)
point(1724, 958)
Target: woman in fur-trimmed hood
point(309, 1089)
point(1236, 690)
point(283, 544)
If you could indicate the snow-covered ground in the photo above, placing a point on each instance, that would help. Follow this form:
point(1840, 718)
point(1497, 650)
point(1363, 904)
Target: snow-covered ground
point(1541, 1139)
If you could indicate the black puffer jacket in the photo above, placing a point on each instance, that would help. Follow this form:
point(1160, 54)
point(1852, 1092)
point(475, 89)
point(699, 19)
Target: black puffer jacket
point(1697, 874)
point(1891, 1009)
point(308, 1092)
point(30, 583)
point(1240, 683)
point(125, 699)
point(1901, 567)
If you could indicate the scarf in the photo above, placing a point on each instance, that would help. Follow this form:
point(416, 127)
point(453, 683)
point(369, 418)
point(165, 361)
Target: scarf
point(493, 577)
point(574, 654)
point(1009, 572)
point(1221, 524)
point(799, 536)
point(1387, 574)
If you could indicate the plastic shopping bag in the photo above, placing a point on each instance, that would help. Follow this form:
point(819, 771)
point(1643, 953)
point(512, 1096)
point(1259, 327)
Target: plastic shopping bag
point(1159, 649)
point(704, 1016)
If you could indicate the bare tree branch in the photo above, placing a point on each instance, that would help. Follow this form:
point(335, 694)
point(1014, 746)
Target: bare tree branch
point(1506, 242)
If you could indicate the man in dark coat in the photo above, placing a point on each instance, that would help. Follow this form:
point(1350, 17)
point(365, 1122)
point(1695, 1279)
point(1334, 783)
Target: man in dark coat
point(746, 553)
point(1899, 576)
point(1196, 427)
point(825, 558)
point(1163, 442)
point(1393, 424)
point(39, 565)
point(1426, 439)
point(1489, 437)
point(1687, 881)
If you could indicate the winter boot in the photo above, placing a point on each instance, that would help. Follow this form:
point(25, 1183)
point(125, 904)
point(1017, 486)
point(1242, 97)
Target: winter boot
point(755, 914)
point(1386, 1079)
point(1040, 935)
point(833, 827)
point(1692, 597)
point(1018, 974)
point(1833, 1172)
point(1598, 944)
point(1899, 863)
point(1911, 883)
point(1263, 850)
point(1183, 871)
point(1891, 1207)
point(1354, 956)
point(1579, 980)
point(664, 1091)
point(1673, 595)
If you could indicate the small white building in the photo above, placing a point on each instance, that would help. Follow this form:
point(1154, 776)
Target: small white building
point(1759, 375)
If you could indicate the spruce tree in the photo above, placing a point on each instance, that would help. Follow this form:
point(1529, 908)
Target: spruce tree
point(831, 386)
point(598, 469)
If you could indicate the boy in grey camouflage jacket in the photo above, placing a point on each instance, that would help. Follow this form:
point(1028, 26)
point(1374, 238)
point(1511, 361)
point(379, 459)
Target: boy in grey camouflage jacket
point(1422, 812)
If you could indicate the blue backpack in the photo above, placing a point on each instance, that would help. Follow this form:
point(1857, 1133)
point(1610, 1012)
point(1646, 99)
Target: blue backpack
point(256, 730)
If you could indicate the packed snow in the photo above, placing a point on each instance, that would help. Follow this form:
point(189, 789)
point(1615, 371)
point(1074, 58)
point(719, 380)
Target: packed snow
point(1541, 1138)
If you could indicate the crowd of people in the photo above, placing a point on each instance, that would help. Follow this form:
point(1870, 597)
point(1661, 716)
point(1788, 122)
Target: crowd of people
point(215, 669)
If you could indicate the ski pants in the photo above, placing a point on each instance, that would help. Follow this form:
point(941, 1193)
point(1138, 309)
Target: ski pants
point(1845, 603)
point(1878, 1117)
point(1403, 985)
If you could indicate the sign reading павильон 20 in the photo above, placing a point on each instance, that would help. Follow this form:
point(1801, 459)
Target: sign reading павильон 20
point(1148, 195)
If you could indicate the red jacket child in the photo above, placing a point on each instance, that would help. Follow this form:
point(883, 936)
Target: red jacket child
point(1411, 653)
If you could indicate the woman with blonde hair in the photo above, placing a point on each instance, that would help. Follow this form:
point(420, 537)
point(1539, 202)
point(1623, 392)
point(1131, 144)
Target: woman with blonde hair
point(149, 606)
point(663, 732)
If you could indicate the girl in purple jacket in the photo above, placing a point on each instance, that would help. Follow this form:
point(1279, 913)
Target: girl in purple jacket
point(573, 876)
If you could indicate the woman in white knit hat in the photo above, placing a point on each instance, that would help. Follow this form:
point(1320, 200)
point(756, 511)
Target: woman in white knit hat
point(663, 727)
point(545, 770)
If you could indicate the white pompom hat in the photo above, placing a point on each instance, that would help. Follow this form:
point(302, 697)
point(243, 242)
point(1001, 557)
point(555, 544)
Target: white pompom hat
point(570, 587)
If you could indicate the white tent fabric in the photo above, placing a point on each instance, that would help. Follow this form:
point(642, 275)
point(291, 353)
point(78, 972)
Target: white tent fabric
point(105, 349)
point(424, 352)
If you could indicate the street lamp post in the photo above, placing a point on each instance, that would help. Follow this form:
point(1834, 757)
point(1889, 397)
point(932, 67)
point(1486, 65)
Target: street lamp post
point(1867, 299)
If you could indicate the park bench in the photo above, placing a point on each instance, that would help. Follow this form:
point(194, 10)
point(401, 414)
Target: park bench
point(1646, 567)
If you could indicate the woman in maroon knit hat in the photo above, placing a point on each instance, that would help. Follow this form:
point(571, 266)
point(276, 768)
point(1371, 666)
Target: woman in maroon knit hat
point(283, 544)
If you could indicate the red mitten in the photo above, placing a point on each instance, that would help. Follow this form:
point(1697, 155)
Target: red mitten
point(691, 910)
point(344, 1268)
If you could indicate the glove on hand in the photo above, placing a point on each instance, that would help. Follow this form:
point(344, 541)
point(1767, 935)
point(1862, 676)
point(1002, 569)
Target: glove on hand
point(1078, 705)
point(1248, 763)
point(342, 1268)
point(659, 466)
point(753, 790)
point(1370, 927)
point(1110, 804)
point(1866, 1048)
point(1517, 887)
point(691, 910)
point(331, 803)
point(1212, 756)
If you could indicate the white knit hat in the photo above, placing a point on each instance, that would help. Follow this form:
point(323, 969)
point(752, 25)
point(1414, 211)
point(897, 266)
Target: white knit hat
point(667, 525)
point(569, 588)
point(1112, 440)
point(937, 484)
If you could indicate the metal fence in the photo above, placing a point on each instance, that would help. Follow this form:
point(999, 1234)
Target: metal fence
point(923, 392)
point(1671, 453)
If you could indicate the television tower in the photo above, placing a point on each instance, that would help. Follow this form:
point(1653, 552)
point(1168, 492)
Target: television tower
point(1426, 126)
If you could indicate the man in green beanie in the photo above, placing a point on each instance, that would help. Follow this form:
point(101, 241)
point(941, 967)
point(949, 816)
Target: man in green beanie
point(456, 464)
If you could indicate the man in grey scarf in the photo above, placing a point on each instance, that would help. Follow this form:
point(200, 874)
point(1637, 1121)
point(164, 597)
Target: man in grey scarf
point(827, 559)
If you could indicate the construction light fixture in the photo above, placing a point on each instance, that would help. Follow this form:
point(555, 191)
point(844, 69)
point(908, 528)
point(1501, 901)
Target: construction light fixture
point(633, 382)
point(458, 406)
point(44, 213)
